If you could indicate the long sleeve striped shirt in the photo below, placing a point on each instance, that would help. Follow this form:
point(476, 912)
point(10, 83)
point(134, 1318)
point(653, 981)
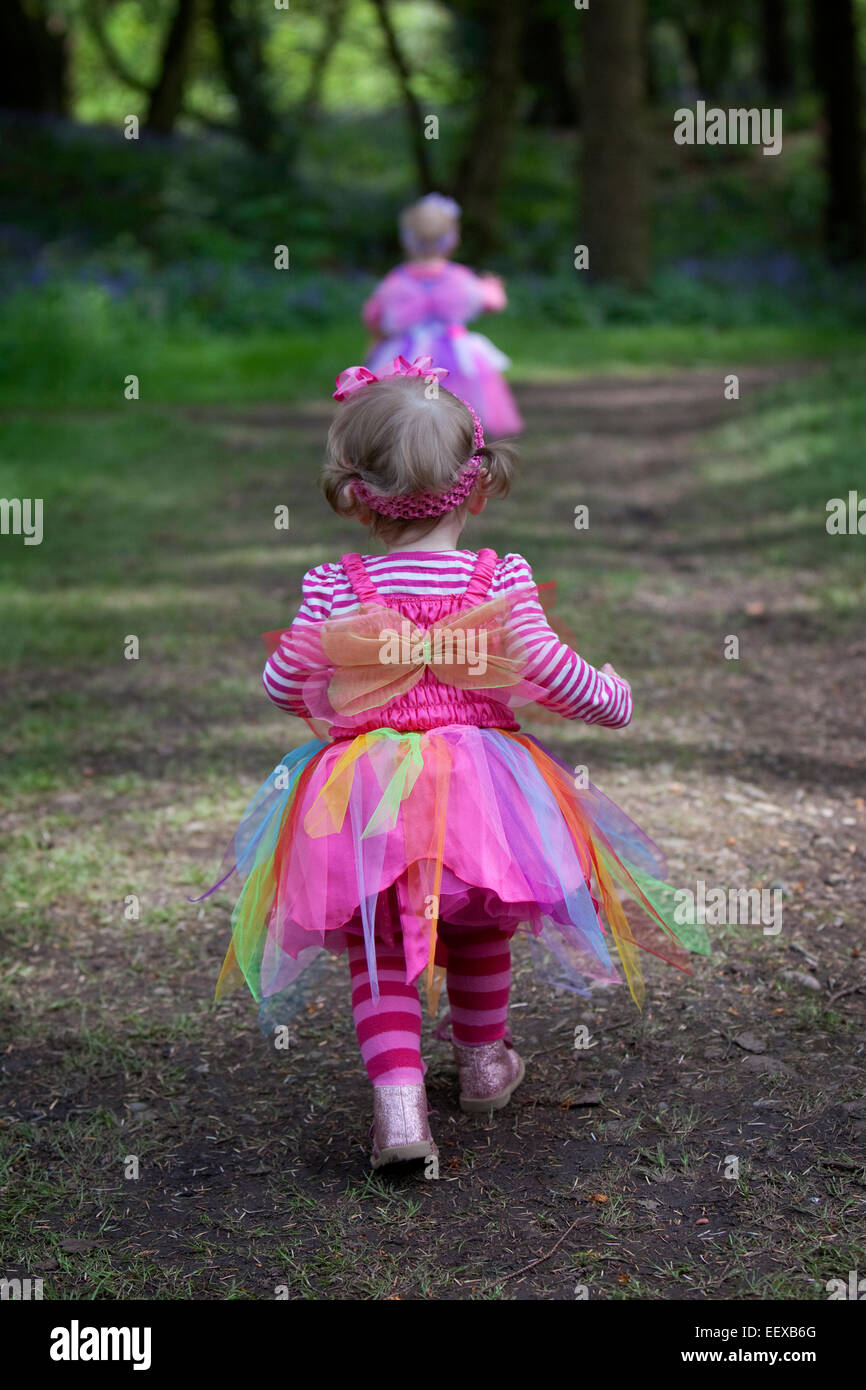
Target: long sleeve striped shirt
point(574, 688)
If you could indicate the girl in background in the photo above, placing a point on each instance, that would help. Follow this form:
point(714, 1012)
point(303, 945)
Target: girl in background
point(422, 307)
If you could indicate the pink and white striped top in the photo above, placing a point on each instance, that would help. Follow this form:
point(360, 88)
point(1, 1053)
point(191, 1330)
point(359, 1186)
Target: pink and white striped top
point(574, 689)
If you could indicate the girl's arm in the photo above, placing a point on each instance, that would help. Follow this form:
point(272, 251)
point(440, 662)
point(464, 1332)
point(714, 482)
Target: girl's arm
point(493, 292)
point(573, 688)
point(371, 314)
point(282, 680)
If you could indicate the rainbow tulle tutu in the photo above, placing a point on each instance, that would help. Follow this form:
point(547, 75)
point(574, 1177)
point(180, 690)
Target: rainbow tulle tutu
point(380, 831)
point(388, 832)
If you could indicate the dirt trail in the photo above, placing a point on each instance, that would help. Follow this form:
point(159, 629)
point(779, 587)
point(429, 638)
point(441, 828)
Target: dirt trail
point(711, 1148)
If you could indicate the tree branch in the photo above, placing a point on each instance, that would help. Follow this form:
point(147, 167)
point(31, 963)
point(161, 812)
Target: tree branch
point(117, 66)
point(334, 18)
point(413, 110)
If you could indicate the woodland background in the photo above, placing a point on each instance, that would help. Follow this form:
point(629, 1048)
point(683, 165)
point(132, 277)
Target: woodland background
point(121, 781)
point(305, 127)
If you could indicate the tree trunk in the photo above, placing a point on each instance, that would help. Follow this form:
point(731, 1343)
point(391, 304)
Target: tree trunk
point(335, 14)
point(546, 71)
point(775, 48)
point(414, 115)
point(240, 39)
point(837, 73)
point(166, 99)
point(34, 59)
point(708, 27)
point(482, 168)
point(124, 74)
point(615, 184)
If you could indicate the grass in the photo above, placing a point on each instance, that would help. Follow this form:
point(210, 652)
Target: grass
point(123, 778)
point(77, 350)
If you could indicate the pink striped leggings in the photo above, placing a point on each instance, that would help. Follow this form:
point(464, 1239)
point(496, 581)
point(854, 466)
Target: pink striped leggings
point(478, 981)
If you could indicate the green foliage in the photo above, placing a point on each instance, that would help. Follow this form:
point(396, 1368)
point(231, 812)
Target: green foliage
point(186, 230)
point(72, 343)
point(159, 522)
point(158, 260)
point(358, 77)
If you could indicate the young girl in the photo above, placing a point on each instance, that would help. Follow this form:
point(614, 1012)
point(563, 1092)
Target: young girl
point(422, 308)
point(425, 829)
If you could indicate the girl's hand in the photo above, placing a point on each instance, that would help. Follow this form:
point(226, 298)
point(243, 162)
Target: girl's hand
point(493, 290)
point(607, 670)
point(320, 727)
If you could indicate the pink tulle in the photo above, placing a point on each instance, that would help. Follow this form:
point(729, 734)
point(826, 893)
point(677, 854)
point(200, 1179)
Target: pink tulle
point(423, 311)
point(507, 855)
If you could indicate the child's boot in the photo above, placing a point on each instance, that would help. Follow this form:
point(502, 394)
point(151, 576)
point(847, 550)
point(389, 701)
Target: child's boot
point(488, 1074)
point(400, 1130)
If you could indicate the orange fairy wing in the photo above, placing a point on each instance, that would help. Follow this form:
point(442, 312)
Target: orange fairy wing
point(480, 649)
point(358, 663)
point(362, 688)
point(476, 649)
point(547, 598)
point(371, 653)
point(349, 665)
point(358, 639)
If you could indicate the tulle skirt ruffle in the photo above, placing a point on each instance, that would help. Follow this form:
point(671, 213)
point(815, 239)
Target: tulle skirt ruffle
point(394, 832)
point(475, 366)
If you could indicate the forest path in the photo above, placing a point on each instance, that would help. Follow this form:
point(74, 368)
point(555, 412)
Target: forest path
point(617, 1161)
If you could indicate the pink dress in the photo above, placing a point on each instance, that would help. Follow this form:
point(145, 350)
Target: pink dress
point(421, 310)
point(433, 805)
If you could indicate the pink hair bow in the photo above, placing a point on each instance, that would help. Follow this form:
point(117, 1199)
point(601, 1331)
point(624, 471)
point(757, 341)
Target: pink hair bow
point(353, 378)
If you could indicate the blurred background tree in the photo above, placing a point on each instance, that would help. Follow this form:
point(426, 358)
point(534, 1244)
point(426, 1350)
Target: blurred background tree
point(616, 154)
point(837, 77)
point(34, 57)
point(166, 98)
point(311, 126)
point(492, 41)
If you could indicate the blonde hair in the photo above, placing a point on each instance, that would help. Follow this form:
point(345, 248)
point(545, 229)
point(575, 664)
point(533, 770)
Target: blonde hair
point(392, 437)
point(431, 226)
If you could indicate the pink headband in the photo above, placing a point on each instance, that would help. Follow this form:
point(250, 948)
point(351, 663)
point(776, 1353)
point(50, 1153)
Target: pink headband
point(411, 505)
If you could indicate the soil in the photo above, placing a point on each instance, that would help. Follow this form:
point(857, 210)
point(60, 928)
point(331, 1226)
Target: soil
point(711, 1147)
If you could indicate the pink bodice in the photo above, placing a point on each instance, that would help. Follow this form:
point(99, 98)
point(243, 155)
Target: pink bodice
point(429, 704)
point(425, 588)
point(442, 294)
